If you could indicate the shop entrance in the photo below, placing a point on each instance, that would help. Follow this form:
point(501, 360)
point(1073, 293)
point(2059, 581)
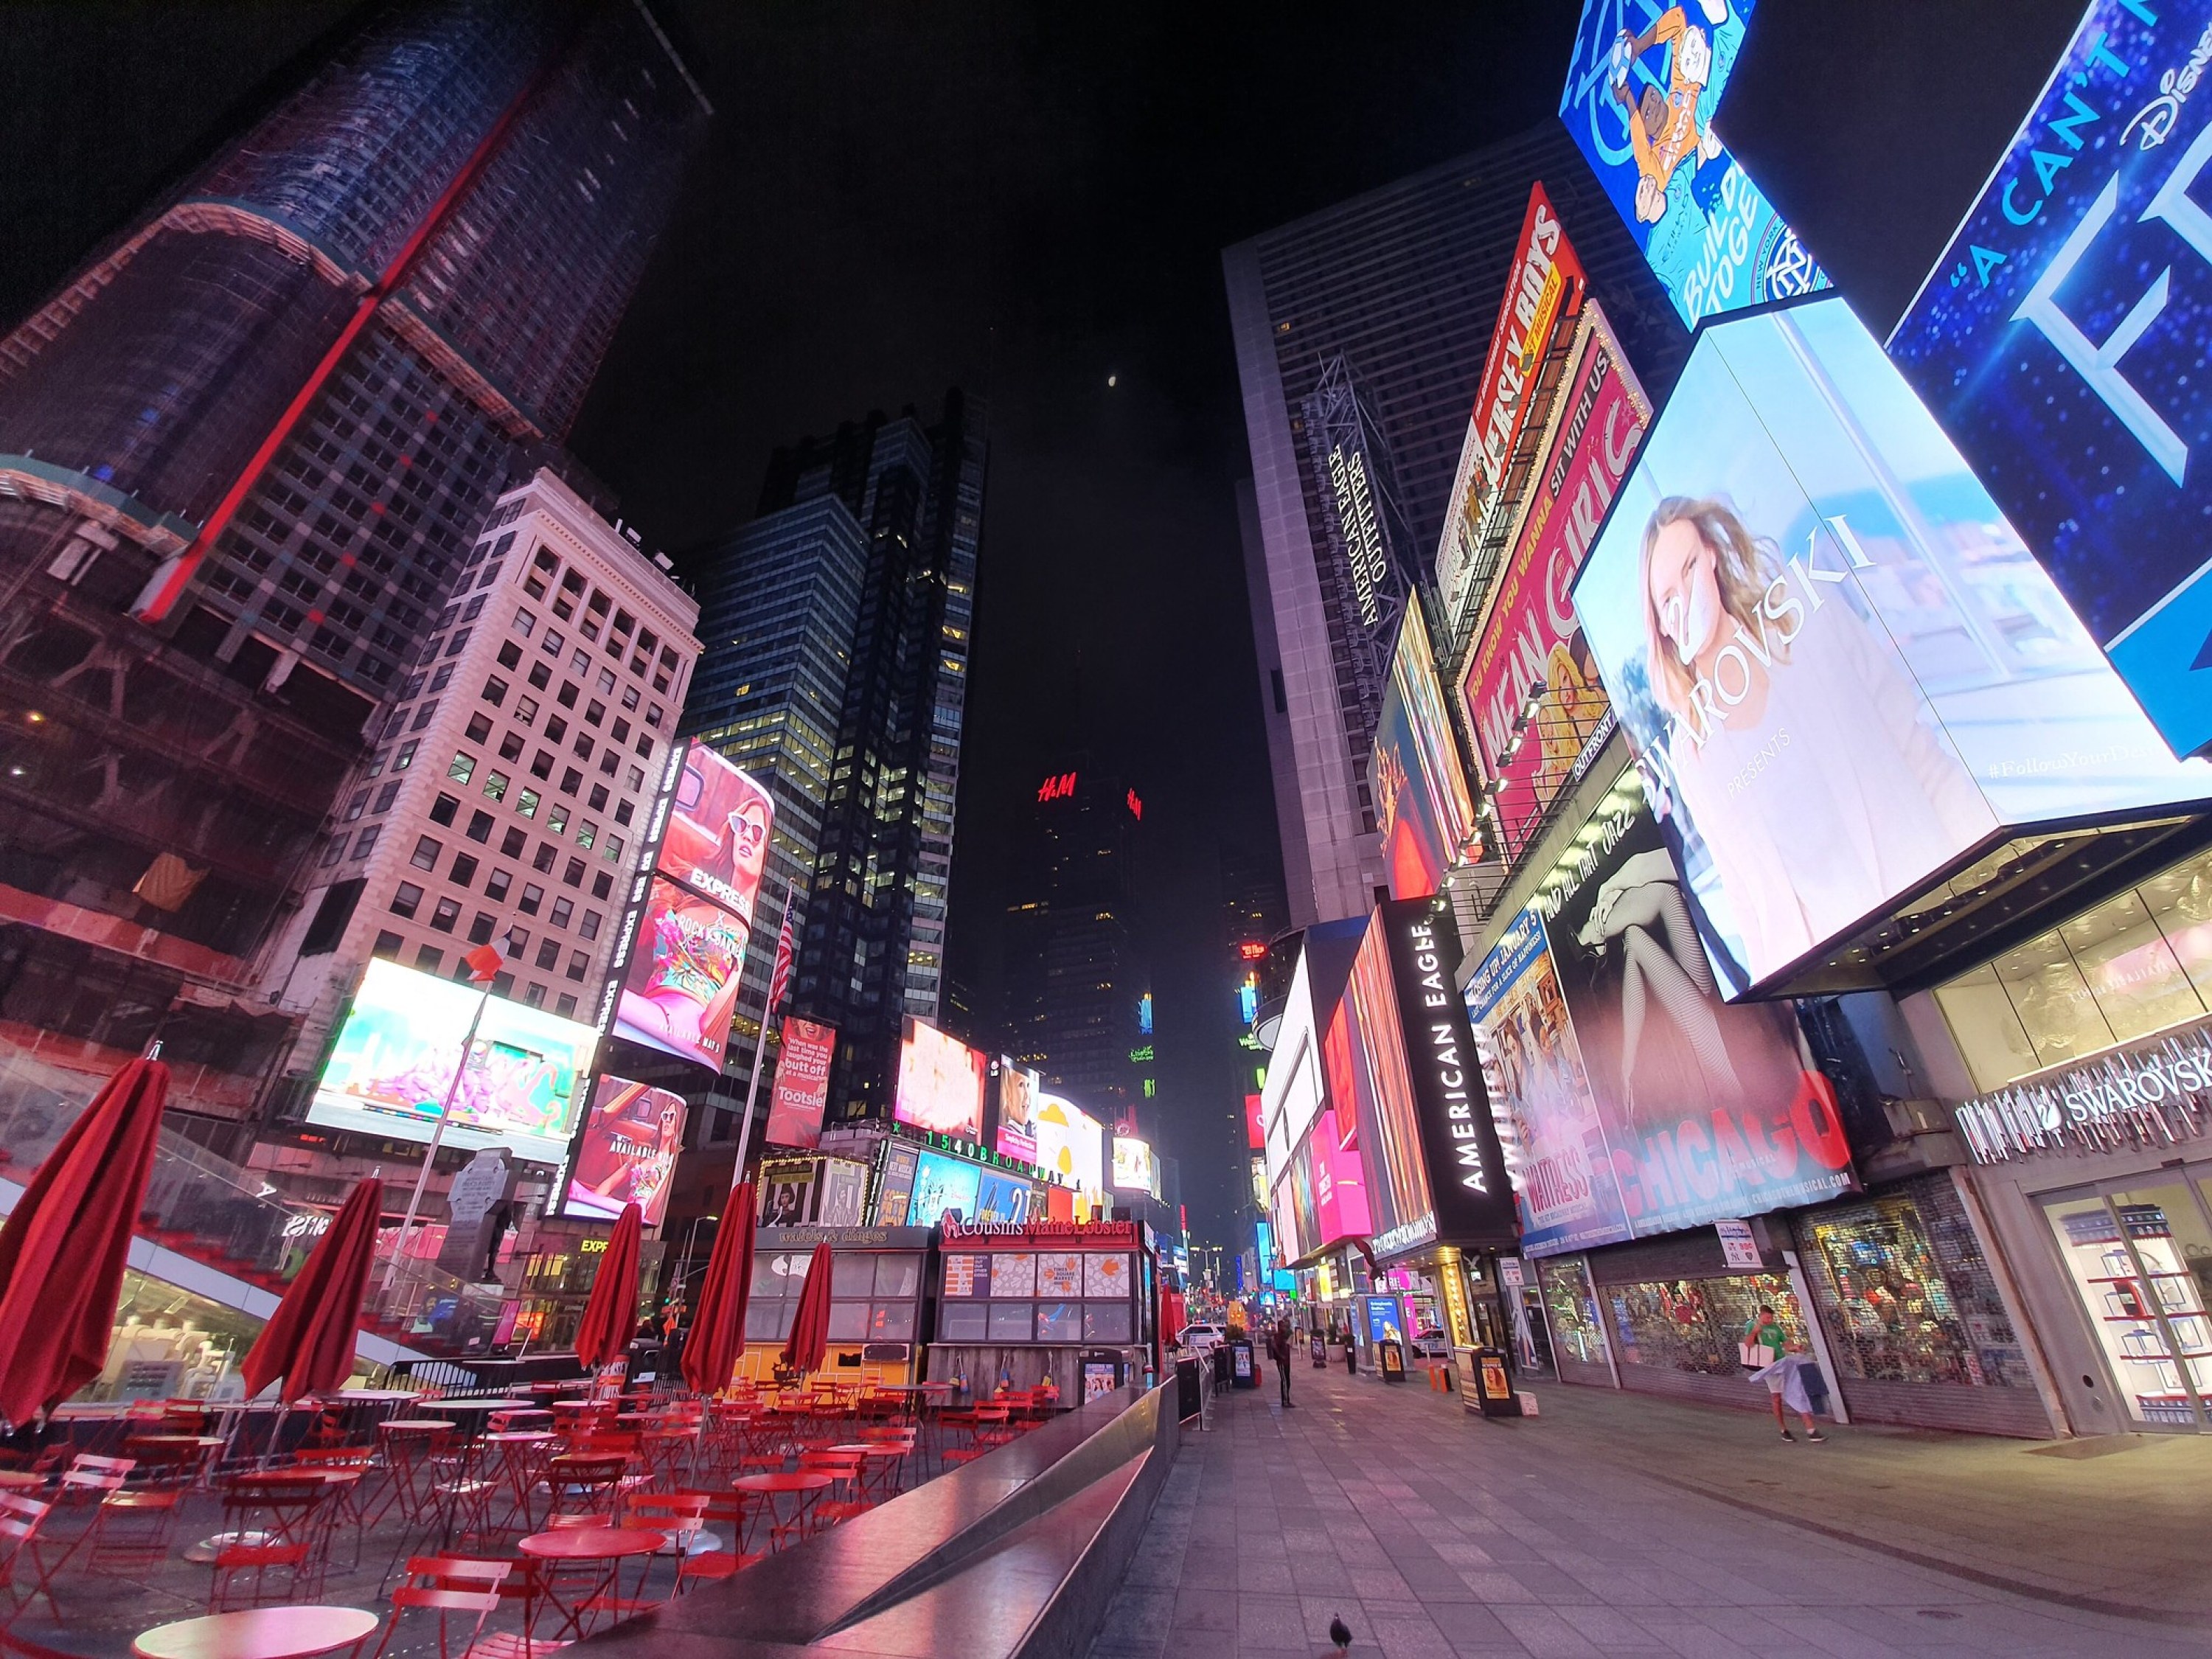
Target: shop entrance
point(2139, 1250)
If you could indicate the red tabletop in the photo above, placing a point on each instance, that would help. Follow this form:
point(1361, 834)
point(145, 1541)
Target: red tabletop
point(202, 1440)
point(258, 1633)
point(804, 1480)
point(875, 1448)
point(417, 1422)
point(536, 1436)
point(593, 1543)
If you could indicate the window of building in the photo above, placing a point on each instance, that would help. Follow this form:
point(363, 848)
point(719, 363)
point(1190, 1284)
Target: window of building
point(464, 873)
point(405, 757)
point(428, 957)
point(653, 715)
point(543, 860)
point(540, 676)
point(602, 885)
point(2138, 963)
point(478, 728)
point(464, 767)
point(629, 696)
point(619, 731)
point(333, 850)
point(386, 794)
point(541, 765)
point(480, 826)
point(589, 927)
point(526, 803)
point(480, 926)
point(644, 745)
point(567, 696)
point(571, 782)
point(556, 728)
point(624, 811)
point(598, 798)
point(532, 897)
point(495, 886)
point(423, 715)
point(510, 655)
point(357, 805)
point(578, 964)
point(605, 682)
point(524, 623)
point(406, 899)
point(443, 677)
point(388, 945)
point(510, 746)
point(548, 953)
point(518, 938)
point(495, 785)
point(595, 713)
point(454, 646)
point(573, 875)
point(425, 855)
point(613, 851)
point(502, 985)
point(495, 690)
point(448, 912)
point(564, 1007)
point(526, 709)
point(512, 841)
point(443, 808)
point(551, 644)
point(609, 761)
point(580, 662)
point(556, 818)
point(636, 779)
point(534, 997)
point(587, 833)
point(366, 839)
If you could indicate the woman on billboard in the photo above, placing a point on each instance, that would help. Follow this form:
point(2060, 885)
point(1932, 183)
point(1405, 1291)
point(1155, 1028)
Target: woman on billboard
point(1641, 915)
point(1795, 745)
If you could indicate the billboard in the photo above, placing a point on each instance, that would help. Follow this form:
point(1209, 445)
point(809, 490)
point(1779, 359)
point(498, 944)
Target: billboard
point(1422, 803)
point(786, 1191)
point(2060, 342)
point(1018, 1093)
point(940, 1083)
point(1070, 1143)
point(1643, 87)
point(1840, 667)
point(632, 1135)
point(1534, 704)
point(800, 1093)
point(396, 1055)
point(1540, 1097)
point(1339, 1181)
point(943, 1185)
point(1134, 1170)
point(679, 988)
point(844, 1194)
point(717, 838)
point(1254, 1136)
point(1544, 288)
point(1709, 1110)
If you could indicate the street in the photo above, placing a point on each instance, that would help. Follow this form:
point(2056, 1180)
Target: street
point(1435, 1536)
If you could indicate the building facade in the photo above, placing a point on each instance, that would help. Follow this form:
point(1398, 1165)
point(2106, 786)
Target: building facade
point(244, 452)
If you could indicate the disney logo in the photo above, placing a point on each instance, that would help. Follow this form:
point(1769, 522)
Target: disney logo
point(2154, 124)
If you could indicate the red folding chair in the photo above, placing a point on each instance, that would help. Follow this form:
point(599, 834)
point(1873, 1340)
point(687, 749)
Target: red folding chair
point(20, 1520)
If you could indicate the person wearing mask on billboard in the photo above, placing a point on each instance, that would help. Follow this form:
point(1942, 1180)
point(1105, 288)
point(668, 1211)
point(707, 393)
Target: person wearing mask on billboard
point(1794, 743)
point(1640, 914)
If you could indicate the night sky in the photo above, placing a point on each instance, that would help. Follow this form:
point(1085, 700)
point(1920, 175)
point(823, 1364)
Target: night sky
point(1025, 199)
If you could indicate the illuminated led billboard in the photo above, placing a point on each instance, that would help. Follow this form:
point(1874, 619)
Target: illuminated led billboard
point(1642, 88)
point(940, 1083)
point(717, 838)
point(1018, 1093)
point(1135, 1169)
point(1841, 670)
point(1070, 1143)
point(628, 1151)
point(396, 1055)
point(2060, 340)
point(680, 986)
point(800, 1093)
point(1422, 804)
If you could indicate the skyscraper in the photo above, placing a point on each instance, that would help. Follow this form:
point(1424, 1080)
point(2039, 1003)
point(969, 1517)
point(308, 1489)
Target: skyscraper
point(243, 453)
point(1079, 989)
point(873, 950)
point(1360, 334)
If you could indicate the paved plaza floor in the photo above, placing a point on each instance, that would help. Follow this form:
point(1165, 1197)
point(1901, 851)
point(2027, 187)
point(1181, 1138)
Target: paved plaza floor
point(1435, 1535)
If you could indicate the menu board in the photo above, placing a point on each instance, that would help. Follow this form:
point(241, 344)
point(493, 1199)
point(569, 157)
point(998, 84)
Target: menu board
point(1059, 1273)
point(967, 1275)
point(1013, 1273)
point(1106, 1275)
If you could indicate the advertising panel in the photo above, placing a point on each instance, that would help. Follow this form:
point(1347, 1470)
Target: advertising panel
point(1134, 1170)
point(1422, 803)
point(1709, 1110)
point(800, 1092)
point(940, 1083)
point(786, 1191)
point(1003, 1197)
point(1254, 1136)
point(1070, 1143)
point(2060, 342)
point(943, 1186)
point(897, 1186)
point(1547, 1119)
point(631, 1137)
point(1840, 667)
point(1340, 1184)
point(1018, 1090)
point(1642, 88)
point(717, 839)
point(1533, 702)
point(1544, 288)
point(680, 988)
point(397, 1053)
point(1363, 1050)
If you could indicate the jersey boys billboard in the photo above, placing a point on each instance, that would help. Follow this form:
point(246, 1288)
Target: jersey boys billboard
point(1532, 695)
point(2061, 339)
point(1642, 88)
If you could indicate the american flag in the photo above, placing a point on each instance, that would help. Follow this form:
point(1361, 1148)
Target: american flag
point(778, 977)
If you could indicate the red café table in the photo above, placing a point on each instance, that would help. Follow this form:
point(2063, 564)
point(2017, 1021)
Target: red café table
point(605, 1546)
point(875, 1450)
point(775, 1483)
point(297, 1633)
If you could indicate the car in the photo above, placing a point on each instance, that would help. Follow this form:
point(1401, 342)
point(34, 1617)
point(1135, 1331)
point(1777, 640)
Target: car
point(1431, 1345)
point(1204, 1339)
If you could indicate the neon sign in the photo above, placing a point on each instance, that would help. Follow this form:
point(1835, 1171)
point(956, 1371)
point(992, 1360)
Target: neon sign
point(1136, 806)
point(1061, 787)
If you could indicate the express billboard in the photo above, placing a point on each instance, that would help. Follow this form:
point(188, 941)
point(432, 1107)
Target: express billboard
point(680, 985)
point(1544, 288)
point(627, 1154)
point(1840, 668)
point(402, 1041)
point(940, 1083)
point(800, 1093)
point(1422, 804)
point(1533, 702)
point(717, 838)
point(2060, 340)
point(1644, 85)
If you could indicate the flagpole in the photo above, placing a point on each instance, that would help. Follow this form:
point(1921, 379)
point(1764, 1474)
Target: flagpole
point(760, 1043)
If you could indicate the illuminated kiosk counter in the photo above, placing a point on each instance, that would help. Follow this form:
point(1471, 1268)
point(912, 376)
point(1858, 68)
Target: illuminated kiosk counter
point(878, 1287)
point(1070, 1301)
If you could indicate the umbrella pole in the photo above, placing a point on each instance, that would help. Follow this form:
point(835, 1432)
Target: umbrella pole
point(437, 1138)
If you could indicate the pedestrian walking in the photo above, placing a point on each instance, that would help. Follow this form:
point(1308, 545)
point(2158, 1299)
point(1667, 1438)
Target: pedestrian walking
point(1278, 1350)
point(1765, 1347)
point(1351, 1352)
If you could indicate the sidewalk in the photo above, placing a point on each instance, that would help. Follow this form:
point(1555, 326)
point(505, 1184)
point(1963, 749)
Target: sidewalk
point(1437, 1536)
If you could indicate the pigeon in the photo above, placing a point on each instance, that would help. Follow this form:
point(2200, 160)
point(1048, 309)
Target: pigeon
point(1340, 1633)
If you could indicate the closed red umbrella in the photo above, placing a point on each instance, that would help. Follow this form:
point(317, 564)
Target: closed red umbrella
point(810, 1326)
point(62, 1252)
point(611, 1314)
point(309, 1339)
point(717, 1329)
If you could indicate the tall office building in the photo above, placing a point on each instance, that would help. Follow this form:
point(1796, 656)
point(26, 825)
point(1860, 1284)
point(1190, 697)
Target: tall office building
point(243, 453)
point(873, 949)
point(779, 603)
point(1078, 988)
point(1360, 334)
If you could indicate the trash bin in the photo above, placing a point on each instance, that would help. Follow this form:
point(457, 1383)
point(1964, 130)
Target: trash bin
point(1189, 1390)
point(1493, 1384)
point(1390, 1359)
point(1243, 1366)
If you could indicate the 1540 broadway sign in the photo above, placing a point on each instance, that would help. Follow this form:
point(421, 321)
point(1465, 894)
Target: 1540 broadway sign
point(2152, 1095)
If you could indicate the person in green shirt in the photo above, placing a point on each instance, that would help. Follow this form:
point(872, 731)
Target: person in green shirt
point(1763, 1332)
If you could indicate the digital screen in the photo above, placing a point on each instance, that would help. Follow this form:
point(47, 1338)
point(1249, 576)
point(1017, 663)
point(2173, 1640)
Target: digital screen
point(1533, 702)
point(1339, 1185)
point(717, 837)
point(396, 1056)
point(1544, 288)
point(941, 1084)
point(1422, 804)
point(2060, 340)
point(680, 987)
point(631, 1138)
point(1254, 1136)
point(844, 1194)
point(1840, 667)
point(1017, 1088)
point(1002, 1197)
point(1070, 1143)
point(1370, 1075)
point(800, 1092)
point(786, 1193)
point(943, 1185)
point(1133, 1165)
point(1642, 88)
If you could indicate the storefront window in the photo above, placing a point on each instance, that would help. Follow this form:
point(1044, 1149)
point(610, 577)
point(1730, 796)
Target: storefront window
point(2138, 963)
point(2130, 1258)
point(172, 1345)
point(1897, 1320)
point(1573, 1309)
point(1695, 1324)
